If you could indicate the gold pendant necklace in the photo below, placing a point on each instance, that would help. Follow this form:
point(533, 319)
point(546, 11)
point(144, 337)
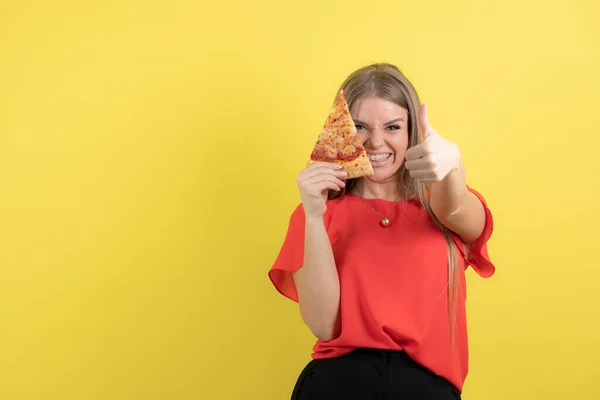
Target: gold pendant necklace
point(385, 221)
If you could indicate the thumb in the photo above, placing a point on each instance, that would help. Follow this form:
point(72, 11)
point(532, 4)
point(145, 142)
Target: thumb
point(424, 122)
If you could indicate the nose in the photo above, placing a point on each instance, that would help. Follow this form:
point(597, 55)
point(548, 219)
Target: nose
point(375, 139)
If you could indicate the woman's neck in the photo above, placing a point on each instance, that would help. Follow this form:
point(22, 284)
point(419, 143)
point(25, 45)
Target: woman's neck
point(391, 190)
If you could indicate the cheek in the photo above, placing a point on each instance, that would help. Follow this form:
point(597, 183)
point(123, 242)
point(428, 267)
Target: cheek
point(400, 146)
point(400, 155)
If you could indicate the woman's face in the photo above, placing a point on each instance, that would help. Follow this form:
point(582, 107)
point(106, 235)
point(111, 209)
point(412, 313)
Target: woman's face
point(383, 129)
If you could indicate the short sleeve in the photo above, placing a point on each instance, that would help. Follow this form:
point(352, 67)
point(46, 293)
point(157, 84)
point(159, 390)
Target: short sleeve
point(478, 256)
point(290, 257)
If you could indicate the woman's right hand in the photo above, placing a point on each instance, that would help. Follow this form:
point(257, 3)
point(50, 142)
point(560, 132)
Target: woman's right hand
point(315, 181)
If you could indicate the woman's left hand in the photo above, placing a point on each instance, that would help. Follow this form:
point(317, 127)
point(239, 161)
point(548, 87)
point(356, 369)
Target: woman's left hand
point(432, 160)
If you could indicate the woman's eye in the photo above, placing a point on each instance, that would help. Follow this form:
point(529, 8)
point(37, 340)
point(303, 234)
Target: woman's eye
point(393, 127)
point(359, 127)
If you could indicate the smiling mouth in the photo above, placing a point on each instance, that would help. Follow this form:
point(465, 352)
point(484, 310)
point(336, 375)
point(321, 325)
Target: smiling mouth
point(379, 157)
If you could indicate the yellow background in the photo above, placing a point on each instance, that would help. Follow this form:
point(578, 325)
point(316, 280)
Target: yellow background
point(148, 156)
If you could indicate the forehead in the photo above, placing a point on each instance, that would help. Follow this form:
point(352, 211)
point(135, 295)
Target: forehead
point(377, 108)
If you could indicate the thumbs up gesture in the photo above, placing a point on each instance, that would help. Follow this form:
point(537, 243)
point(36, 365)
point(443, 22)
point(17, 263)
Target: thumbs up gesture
point(432, 160)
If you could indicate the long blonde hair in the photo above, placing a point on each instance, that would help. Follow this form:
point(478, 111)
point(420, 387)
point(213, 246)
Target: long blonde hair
point(387, 81)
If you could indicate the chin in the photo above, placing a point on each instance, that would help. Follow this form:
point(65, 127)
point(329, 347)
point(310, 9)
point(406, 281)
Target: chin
point(382, 174)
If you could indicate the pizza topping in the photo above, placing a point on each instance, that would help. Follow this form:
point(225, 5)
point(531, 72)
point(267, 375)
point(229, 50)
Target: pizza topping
point(316, 154)
point(339, 142)
point(349, 156)
point(348, 148)
point(324, 153)
point(331, 153)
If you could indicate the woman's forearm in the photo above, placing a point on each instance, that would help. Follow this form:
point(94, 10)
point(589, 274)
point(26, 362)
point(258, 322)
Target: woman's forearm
point(449, 194)
point(317, 283)
point(456, 207)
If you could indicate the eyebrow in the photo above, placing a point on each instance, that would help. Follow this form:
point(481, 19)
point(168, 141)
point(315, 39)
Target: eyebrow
point(359, 122)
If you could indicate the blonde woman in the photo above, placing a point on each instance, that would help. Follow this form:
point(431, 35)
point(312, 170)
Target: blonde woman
point(377, 264)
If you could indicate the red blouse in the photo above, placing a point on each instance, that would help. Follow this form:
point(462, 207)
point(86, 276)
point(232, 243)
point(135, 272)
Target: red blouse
point(393, 281)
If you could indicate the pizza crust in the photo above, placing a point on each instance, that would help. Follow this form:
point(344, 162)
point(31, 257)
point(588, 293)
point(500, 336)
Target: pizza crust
point(359, 167)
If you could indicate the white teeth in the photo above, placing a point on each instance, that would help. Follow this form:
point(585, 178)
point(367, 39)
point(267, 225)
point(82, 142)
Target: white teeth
point(379, 157)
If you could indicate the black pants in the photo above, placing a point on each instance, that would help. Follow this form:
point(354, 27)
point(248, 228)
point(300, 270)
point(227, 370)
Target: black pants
point(368, 374)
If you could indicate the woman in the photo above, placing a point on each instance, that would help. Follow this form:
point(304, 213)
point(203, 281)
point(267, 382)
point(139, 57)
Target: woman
point(377, 264)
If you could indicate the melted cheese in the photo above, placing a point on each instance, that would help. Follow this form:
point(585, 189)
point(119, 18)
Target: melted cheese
point(331, 152)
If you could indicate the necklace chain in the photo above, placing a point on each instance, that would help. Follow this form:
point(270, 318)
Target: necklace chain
point(385, 221)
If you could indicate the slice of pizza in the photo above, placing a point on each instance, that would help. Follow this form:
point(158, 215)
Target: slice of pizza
point(339, 142)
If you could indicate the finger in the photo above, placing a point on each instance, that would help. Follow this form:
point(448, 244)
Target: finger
point(322, 179)
point(320, 165)
point(324, 164)
point(423, 118)
point(422, 174)
point(424, 122)
point(318, 188)
point(333, 186)
point(418, 164)
point(416, 152)
point(325, 171)
point(429, 180)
